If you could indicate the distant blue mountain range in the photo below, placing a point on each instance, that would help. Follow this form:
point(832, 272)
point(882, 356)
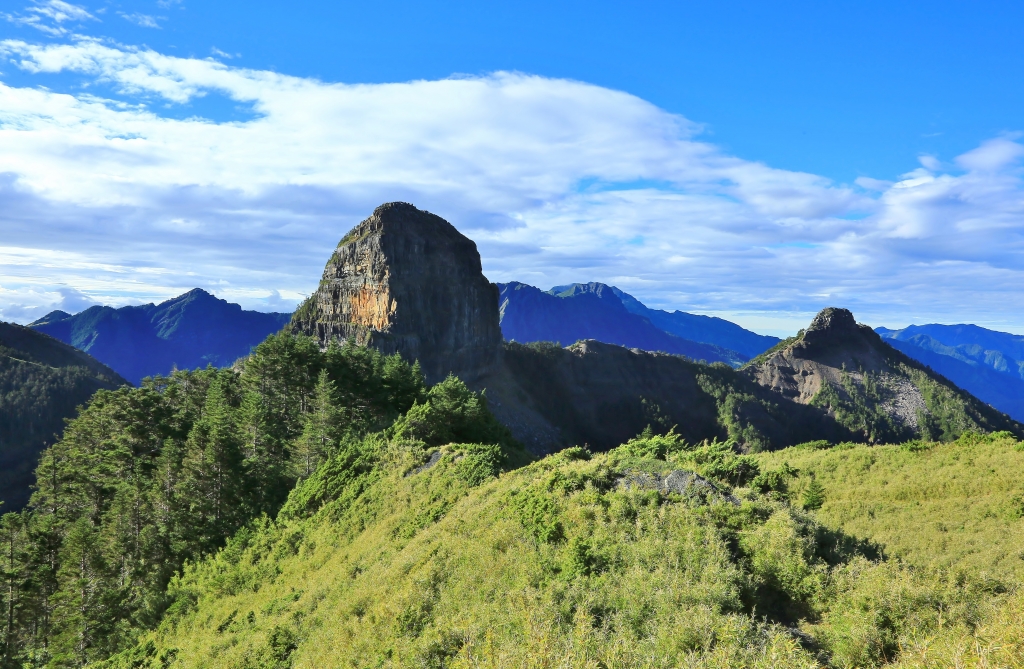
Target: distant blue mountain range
point(189, 331)
point(569, 313)
point(986, 363)
point(196, 329)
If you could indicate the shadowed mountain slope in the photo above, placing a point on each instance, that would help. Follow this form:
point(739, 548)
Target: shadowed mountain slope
point(601, 394)
point(848, 371)
point(189, 331)
point(592, 311)
point(42, 381)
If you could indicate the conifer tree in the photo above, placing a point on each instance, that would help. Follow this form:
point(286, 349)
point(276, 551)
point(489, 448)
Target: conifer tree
point(12, 571)
point(814, 496)
point(212, 465)
point(321, 425)
point(265, 455)
point(79, 606)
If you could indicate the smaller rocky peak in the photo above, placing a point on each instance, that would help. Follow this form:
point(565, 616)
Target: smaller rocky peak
point(835, 328)
point(833, 340)
point(833, 320)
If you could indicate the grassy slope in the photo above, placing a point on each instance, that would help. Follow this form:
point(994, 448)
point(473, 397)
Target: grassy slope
point(552, 565)
point(959, 503)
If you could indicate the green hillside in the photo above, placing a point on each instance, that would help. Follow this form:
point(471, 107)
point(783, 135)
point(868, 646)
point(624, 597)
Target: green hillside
point(440, 558)
point(931, 504)
point(325, 508)
point(146, 479)
point(42, 382)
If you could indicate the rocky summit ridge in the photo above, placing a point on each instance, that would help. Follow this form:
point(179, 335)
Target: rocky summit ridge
point(847, 370)
point(406, 281)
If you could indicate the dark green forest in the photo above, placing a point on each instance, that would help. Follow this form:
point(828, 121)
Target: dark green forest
point(42, 381)
point(148, 478)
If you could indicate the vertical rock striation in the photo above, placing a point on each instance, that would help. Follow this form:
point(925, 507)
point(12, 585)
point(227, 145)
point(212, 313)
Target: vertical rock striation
point(406, 281)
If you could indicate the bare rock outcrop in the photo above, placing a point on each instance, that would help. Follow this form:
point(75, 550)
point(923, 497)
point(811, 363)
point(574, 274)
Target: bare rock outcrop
point(849, 371)
point(680, 482)
point(831, 344)
point(406, 281)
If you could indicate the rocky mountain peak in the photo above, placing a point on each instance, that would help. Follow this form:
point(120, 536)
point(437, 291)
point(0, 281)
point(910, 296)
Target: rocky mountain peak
point(835, 331)
point(197, 295)
point(848, 371)
point(833, 320)
point(51, 317)
point(406, 281)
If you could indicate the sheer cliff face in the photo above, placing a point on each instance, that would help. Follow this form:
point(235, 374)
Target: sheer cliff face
point(406, 281)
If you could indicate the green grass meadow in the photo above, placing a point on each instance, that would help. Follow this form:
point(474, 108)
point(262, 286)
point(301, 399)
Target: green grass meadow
point(912, 560)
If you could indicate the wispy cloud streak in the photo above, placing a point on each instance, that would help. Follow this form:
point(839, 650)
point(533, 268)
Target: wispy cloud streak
point(50, 16)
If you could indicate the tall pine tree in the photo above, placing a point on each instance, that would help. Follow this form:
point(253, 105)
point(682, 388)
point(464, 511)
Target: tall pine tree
point(211, 483)
point(320, 427)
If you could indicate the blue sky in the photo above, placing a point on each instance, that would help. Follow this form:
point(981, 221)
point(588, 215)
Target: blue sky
point(752, 160)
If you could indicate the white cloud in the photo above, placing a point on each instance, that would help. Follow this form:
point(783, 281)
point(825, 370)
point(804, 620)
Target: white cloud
point(556, 180)
point(50, 15)
point(993, 155)
point(60, 11)
point(144, 20)
point(877, 185)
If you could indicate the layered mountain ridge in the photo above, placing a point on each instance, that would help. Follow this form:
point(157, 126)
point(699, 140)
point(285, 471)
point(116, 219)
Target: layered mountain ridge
point(189, 331)
point(699, 328)
point(568, 314)
point(987, 363)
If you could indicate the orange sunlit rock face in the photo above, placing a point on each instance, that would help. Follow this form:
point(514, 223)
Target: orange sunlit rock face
point(372, 307)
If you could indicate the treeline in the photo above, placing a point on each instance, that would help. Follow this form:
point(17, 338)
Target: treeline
point(148, 478)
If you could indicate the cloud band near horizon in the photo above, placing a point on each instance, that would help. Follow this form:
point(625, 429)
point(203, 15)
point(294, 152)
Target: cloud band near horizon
point(110, 194)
